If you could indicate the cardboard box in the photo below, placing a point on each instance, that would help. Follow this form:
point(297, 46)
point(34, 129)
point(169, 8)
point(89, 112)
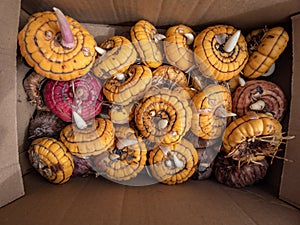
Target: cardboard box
point(10, 173)
point(99, 201)
point(290, 180)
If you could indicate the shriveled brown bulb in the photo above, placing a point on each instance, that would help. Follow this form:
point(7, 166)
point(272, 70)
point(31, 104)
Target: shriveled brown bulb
point(45, 124)
point(33, 84)
point(228, 172)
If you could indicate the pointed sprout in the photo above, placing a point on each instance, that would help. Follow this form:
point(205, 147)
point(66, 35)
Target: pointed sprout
point(80, 123)
point(189, 38)
point(114, 157)
point(229, 114)
point(256, 95)
point(41, 165)
point(270, 71)
point(222, 112)
point(242, 82)
point(158, 37)
point(269, 114)
point(162, 124)
point(168, 163)
point(66, 32)
point(173, 133)
point(101, 51)
point(109, 46)
point(152, 113)
point(180, 30)
point(258, 105)
point(120, 76)
point(178, 163)
point(232, 41)
point(122, 143)
point(204, 164)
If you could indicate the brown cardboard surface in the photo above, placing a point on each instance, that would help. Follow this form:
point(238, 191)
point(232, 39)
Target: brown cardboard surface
point(98, 201)
point(99, 31)
point(290, 177)
point(166, 12)
point(11, 186)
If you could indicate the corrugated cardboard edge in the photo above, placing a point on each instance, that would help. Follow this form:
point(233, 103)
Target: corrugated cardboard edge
point(11, 184)
point(289, 189)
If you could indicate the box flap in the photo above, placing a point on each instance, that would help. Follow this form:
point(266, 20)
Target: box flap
point(11, 186)
point(170, 12)
point(289, 190)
